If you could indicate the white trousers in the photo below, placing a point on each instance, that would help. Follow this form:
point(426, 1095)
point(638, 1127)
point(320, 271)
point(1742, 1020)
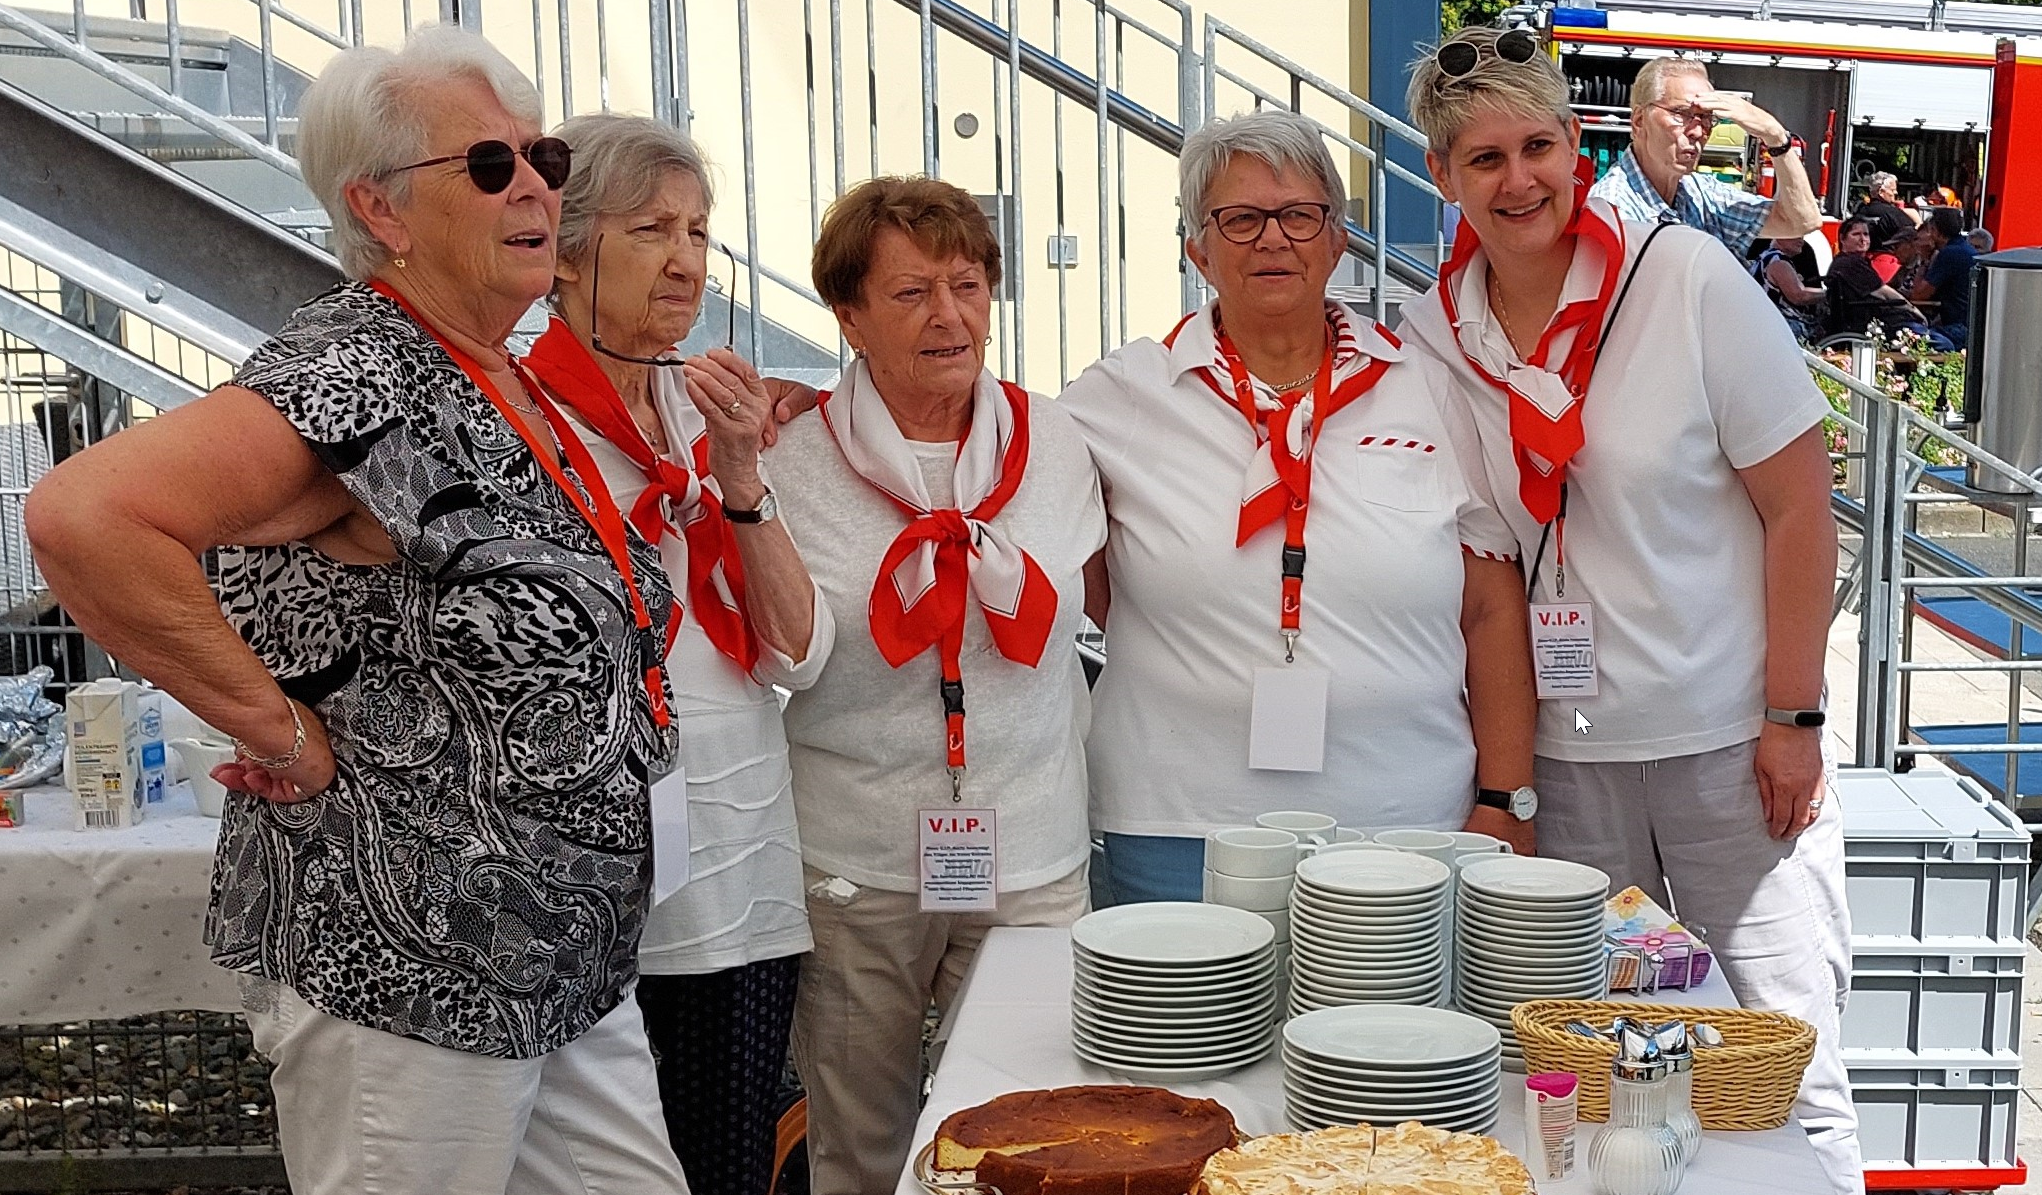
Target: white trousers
point(364, 1112)
point(1774, 912)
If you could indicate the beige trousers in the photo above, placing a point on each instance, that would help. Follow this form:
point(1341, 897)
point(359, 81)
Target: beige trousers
point(878, 962)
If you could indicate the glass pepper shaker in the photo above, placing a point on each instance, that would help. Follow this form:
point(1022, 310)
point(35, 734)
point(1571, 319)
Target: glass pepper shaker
point(1636, 1153)
point(1679, 1054)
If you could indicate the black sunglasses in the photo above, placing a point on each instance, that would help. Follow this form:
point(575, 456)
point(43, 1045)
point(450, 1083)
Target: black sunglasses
point(595, 294)
point(492, 164)
point(1457, 58)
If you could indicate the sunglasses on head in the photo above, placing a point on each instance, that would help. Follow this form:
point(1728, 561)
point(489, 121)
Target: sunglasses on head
point(1457, 58)
point(492, 164)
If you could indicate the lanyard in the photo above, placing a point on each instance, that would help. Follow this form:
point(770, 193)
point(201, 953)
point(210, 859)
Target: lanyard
point(1295, 472)
point(598, 509)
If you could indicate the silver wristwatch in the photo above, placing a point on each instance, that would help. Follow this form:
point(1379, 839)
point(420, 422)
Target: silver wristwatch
point(1521, 803)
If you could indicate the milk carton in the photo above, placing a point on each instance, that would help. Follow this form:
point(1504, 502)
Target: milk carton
point(106, 754)
point(149, 723)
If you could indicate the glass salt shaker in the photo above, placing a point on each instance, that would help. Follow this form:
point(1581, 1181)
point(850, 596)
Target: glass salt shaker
point(1680, 1085)
point(1636, 1153)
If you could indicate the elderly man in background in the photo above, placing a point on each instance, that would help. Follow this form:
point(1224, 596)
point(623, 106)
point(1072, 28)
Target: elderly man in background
point(1883, 208)
point(1673, 108)
point(434, 863)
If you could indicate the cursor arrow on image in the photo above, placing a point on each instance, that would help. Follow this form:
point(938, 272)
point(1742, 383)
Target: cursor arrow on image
point(1581, 723)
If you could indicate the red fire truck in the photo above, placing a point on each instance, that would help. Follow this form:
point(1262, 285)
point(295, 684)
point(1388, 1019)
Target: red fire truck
point(1941, 95)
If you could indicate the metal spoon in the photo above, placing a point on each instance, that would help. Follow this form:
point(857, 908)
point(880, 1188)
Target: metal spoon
point(1584, 1029)
point(1707, 1034)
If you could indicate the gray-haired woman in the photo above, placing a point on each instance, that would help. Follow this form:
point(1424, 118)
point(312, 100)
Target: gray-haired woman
point(434, 868)
point(721, 955)
point(1384, 676)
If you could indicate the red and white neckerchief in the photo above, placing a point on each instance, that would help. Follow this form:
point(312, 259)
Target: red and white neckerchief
point(945, 553)
point(1545, 395)
point(591, 500)
point(674, 497)
point(1279, 478)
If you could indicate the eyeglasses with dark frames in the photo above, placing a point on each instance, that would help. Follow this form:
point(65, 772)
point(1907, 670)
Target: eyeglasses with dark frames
point(1457, 58)
point(595, 293)
point(1243, 223)
point(491, 165)
point(1688, 114)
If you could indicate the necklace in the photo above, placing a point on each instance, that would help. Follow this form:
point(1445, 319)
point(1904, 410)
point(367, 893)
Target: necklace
point(1502, 316)
point(1301, 383)
point(528, 406)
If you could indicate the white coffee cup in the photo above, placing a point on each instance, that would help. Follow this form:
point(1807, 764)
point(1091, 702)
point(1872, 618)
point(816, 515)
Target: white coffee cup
point(1258, 895)
point(1251, 852)
point(1349, 834)
point(1430, 843)
point(1335, 848)
point(1280, 919)
point(1311, 827)
point(1468, 842)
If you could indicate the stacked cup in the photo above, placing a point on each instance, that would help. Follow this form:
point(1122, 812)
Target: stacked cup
point(1253, 868)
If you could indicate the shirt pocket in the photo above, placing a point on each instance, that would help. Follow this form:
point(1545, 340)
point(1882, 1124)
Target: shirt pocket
point(1400, 473)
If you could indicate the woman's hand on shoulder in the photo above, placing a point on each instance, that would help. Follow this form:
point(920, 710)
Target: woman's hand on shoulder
point(311, 774)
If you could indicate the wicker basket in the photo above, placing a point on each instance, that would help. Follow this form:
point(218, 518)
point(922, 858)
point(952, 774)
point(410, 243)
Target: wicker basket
point(1747, 1083)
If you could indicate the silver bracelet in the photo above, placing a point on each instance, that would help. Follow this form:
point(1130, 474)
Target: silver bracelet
point(282, 762)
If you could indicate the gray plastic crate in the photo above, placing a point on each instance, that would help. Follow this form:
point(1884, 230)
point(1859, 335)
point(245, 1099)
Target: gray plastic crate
point(1930, 1002)
point(1931, 861)
point(1936, 1117)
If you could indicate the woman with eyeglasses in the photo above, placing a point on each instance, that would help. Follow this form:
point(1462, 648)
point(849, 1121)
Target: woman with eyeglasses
point(1656, 445)
point(1310, 602)
point(678, 444)
point(435, 859)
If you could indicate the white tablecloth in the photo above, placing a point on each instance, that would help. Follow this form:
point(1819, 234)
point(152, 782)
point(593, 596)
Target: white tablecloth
point(107, 923)
point(1010, 1030)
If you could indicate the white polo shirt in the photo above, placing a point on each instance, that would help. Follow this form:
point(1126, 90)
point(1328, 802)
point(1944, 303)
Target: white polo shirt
point(1395, 494)
point(1698, 378)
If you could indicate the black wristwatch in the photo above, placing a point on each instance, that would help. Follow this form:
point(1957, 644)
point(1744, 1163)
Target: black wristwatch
point(1808, 719)
point(1793, 142)
point(1520, 803)
point(767, 510)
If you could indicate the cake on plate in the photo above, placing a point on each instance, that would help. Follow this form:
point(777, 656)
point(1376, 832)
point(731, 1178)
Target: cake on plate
point(1101, 1140)
point(1410, 1159)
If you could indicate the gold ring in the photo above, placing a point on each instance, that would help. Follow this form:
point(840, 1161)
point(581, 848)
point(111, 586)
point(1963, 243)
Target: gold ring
point(734, 407)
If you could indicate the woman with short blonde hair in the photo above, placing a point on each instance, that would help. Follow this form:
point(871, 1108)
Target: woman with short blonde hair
point(1673, 496)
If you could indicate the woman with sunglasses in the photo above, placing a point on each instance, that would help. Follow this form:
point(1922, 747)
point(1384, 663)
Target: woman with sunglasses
point(1309, 598)
point(679, 446)
point(1656, 444)
point(434, 863)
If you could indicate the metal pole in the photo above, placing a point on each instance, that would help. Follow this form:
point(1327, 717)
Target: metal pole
point(269, 74)
point(359, 27)
point(1379, 217)
point(1872, 621)
point(684, 108)
point(1100, 136)
point(661, 19)
point(751, 173)
point(872, 87)
point(1001, 224)
point(566, 62)
point(1063, 307)
point(1894, 561)
point(2021, 510)
point(78, 22)
point(539, 55)
point(1120, 169)
point(837, 97)
point(808, 72)
point(602, 56)
point(173, 34)
point(928, 32)
point(1016, 267)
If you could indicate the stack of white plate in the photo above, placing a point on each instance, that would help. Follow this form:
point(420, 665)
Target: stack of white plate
point(1366, 928)
point(1172, 991)
point(1529, 929)
point(1384, 1064)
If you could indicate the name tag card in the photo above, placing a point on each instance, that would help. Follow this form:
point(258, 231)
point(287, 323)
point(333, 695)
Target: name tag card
point(959, 860)
point(1287, 722)
point(1563, 649)
point(669, 834)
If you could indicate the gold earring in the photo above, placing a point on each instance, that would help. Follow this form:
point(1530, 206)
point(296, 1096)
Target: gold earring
point(398, 262)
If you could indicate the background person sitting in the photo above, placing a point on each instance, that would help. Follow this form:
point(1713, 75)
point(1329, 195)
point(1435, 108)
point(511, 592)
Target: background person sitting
point(1882, 207)
point(1947, 280)
point(1793, 281)
point(1981, 240)
point(1857, 297)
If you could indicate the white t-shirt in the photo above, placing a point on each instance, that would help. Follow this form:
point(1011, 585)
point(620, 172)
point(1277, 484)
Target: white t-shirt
point(1698, 378)
point(867, 740)
point(1395, 495)
point(743, 900)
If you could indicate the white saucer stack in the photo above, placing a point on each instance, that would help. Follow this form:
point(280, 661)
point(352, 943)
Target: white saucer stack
point(1366, 928)
point(1528, 929)
point(1385, 1064)
point(1172, 991)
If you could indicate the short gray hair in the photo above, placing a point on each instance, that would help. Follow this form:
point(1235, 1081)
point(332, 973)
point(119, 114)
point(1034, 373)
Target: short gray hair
point(1282, 140)
point(1443, 105)
point(370, 112)
point(1879, 180)
point(1651, 81)
point(1981, 240)
point(620, 162)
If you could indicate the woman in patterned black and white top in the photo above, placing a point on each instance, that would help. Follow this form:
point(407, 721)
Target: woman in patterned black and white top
point(440, 656)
